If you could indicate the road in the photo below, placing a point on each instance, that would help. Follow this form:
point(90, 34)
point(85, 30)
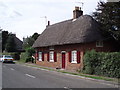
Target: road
point(20, 76)
point(0, 76)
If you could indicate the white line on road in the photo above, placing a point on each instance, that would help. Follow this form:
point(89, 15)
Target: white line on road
point(111, 84)
point(30, 76)
point(12, 69)
point(67, 88)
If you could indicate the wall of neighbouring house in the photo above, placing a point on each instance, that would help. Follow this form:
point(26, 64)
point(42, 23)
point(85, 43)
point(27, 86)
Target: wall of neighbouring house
point(107, 47)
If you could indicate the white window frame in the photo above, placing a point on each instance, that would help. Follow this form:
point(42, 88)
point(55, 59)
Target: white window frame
point(74, 56)
point(99, 44)
point(40, 56)
point(51, 56)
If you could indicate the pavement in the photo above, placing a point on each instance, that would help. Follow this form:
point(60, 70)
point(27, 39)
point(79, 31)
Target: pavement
point(22, 76)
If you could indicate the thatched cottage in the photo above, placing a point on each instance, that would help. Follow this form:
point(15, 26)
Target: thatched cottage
point(62, 45)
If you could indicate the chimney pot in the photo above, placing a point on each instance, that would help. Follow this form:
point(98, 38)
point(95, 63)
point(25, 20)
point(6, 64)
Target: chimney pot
point(48, 23)
point(77, 8)
point(77, 12)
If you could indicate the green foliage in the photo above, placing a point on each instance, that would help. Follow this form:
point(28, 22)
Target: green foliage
point(89, 59)
point(35, 36)
point(4, 39)
point(108, 15)
point(28, 42)
point(30, 51)
point(29, 59)
point(27, 56)
point(101, 63)
point(10, 44)
point(23, 57)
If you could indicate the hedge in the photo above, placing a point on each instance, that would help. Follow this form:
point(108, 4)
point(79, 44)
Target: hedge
point(101, 63)
point(27, 56)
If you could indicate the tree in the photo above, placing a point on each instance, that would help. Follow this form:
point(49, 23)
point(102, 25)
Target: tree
point(108, 16)
point(4, 39)
point(10, 44)
point(28, 42)
point(35, 36)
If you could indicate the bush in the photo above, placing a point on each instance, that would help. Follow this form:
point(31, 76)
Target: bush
point(30, 51)
point(101, 63)
point(23, 57)
point(29, 59)
point(27, 56)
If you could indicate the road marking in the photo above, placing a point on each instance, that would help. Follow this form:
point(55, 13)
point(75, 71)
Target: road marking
point(79, 77)
point(12, 69)
point(30, 76)
point(67, 88)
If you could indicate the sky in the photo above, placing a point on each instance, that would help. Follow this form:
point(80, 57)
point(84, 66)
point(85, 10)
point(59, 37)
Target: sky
point(25, 17)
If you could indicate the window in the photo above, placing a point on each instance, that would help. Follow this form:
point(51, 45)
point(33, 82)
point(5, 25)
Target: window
point(99, 44)
point(51, 57)
point(74, 56)
point(51, 48)
point(40, 56)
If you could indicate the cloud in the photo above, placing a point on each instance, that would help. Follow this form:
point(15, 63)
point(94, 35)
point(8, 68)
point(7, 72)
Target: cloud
point(23, 16)
point(8, 12)
point(17, 13)
point(3, 5)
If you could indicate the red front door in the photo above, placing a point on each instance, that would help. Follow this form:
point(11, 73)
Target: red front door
point(63, 60)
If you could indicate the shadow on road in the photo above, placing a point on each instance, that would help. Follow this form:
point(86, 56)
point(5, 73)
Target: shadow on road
point(9, 62)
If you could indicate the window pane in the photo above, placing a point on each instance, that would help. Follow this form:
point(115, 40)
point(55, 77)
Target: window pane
point(40, 56)
point(99, 44)
point(74, 56)
point(51, 56)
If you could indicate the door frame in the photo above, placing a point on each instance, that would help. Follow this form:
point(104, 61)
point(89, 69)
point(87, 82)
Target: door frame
point(63, 52)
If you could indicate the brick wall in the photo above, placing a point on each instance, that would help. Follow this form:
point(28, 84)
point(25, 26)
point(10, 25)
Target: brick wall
point(108, 46)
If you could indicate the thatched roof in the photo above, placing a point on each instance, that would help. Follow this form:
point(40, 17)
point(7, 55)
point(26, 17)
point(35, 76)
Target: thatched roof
point(82, 30)
point(19, 43)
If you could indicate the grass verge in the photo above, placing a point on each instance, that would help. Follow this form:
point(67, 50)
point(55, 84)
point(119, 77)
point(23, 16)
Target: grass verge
point(78, 74)
point(89, 76)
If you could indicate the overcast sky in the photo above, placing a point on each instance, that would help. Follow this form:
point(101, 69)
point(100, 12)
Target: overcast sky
point(25, 17)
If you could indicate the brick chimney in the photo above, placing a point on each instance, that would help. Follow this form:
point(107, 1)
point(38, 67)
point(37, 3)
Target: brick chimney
point(77, 12)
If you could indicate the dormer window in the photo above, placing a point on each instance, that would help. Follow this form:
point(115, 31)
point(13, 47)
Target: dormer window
point(99, 44)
